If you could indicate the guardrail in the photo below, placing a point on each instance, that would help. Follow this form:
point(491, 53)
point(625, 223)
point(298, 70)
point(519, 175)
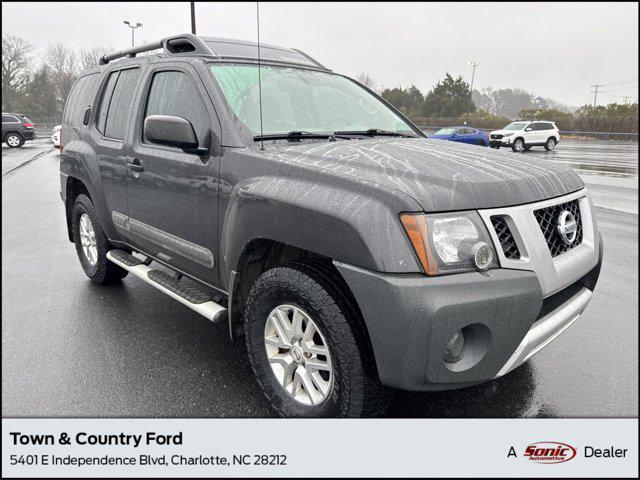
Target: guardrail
point(628, 136)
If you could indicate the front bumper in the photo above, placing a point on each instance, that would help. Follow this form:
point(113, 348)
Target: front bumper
point(506, 315)
point(410, 319)
point(502, 142)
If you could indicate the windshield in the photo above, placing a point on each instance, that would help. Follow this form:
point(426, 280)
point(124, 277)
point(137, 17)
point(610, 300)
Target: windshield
point(446, 131)
point(515, 126)
point(295, 99)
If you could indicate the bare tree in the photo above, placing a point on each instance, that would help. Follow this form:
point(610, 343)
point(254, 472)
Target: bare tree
point(90, 57)
point(16, 69)
point(367, 81)
point(62, 64)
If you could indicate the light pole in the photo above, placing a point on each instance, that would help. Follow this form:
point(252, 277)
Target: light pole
point(473, 64)
point(132, 26)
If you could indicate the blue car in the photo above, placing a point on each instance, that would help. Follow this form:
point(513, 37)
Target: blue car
point(462, 134)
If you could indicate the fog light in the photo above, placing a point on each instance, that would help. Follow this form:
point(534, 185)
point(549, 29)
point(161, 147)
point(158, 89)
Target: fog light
point(453, 352)
point(482, 255)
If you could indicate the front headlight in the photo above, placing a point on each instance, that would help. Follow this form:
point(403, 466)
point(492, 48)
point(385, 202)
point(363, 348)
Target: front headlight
point(450, 243)
point(508, 134)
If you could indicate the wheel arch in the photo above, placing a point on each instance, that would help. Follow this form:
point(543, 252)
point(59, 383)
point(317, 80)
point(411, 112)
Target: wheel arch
point(9, 132)
point(73, 188)
point(261, 254)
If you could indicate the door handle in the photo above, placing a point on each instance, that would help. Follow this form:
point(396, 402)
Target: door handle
point(135, 165)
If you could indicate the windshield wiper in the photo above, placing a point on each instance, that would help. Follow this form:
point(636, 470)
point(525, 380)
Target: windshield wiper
point(293, 135)
point(374, 132)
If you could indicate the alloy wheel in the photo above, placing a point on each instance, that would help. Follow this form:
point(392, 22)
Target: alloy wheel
point(298, 355)
point(519, 145)
point(13, 140)
point(88, 239)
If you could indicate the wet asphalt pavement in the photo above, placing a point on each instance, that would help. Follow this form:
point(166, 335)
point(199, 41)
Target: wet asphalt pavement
point(72, 348)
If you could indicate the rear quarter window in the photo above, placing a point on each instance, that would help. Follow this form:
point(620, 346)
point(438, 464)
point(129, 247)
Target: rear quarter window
point(79, 99)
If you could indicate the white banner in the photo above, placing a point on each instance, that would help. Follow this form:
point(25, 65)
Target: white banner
point(319, 448)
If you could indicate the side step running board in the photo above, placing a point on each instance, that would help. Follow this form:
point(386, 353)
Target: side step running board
point(184, 290)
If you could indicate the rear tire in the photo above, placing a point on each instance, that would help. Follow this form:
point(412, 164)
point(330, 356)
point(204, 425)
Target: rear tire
point(14, 140)
point(355, 389)
point(92, 244)
point(550, 144)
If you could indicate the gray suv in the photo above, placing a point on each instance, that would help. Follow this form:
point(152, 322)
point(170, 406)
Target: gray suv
point(16, 129)
point(352, 254)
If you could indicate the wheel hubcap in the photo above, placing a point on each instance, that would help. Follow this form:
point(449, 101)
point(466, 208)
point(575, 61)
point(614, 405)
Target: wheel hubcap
point(88, 239)
point(298, 355)
point(551, 144)
point(13, 141)
point(518, 145)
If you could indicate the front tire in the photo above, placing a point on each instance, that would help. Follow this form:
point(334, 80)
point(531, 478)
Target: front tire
point(550, 144)
point(305, 347)
point(92, 244)
point(14, 140)
point(518, 145)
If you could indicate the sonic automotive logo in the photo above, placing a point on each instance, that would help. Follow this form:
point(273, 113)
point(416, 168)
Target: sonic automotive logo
point(550, 452)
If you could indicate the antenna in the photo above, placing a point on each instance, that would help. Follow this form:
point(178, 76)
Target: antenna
point(259, 77)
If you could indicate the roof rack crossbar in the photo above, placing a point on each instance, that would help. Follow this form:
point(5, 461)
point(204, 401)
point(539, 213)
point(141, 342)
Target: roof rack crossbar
point(175, 45)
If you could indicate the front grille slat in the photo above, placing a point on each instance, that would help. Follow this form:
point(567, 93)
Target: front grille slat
point(508, 243)
point(548, 220)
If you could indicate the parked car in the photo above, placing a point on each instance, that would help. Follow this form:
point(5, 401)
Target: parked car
point(462, 135)
point(16, 129)
point(524, 135)
point(55, 135)
point(352, 254)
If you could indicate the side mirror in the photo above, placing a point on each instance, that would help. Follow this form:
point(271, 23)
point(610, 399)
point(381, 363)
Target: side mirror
point(528, 129)
point(173, 132)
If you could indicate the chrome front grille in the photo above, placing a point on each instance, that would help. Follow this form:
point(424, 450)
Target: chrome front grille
point(548, 220)
point(496, 136)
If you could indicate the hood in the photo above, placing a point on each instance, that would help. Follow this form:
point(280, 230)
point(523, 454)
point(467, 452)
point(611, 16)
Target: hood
point(440, 176)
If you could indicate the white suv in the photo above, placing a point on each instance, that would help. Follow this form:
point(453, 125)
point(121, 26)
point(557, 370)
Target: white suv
point(524, 135)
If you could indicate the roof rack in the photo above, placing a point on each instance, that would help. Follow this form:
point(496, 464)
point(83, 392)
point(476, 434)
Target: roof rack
point(185, 43)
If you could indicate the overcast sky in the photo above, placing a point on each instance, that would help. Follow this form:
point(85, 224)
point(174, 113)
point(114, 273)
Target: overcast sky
point(554, 50)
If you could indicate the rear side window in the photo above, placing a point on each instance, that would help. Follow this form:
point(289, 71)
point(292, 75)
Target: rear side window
point(106, 98)
point(9, 119)
point(79, 99)
point(547, 126)
point(117, 103)
point(175, 94)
